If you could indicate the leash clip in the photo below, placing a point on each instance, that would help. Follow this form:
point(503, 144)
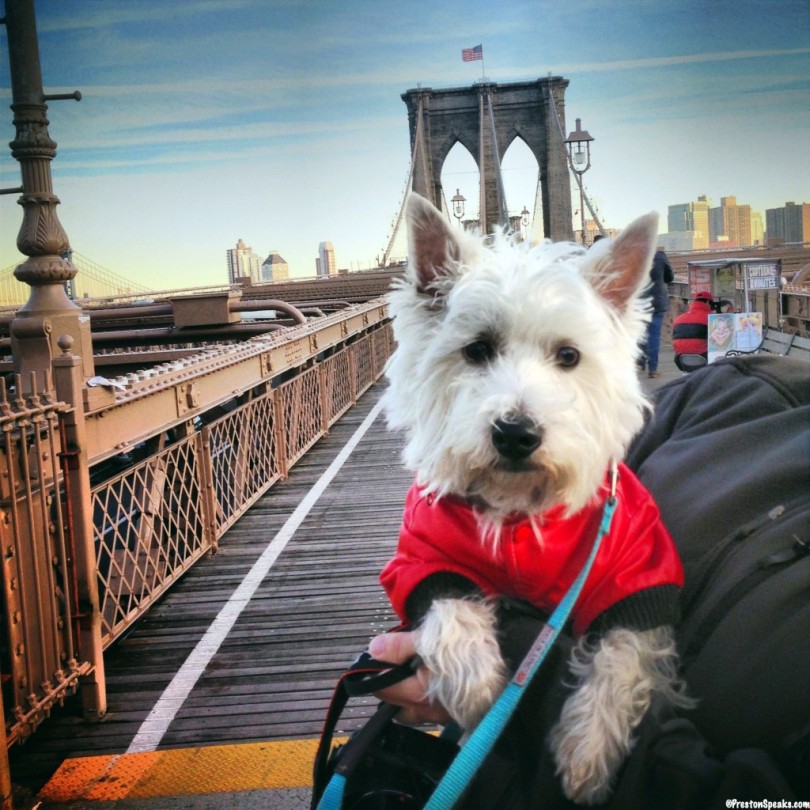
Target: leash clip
point(614, 479)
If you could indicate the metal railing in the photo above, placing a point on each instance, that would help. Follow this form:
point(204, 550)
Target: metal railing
point(154, 504)
point(40, 660)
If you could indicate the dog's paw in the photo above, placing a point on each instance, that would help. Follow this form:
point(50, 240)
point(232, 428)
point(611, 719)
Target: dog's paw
point(586, 769)
point(460, 651)
point(616, 678)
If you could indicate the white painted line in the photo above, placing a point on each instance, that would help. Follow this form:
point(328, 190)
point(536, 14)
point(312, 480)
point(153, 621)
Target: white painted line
point(171, 701)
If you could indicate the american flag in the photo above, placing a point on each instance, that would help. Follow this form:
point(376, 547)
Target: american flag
point(471, 54)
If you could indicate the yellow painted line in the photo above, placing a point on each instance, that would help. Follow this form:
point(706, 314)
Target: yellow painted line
point(185, 771)
point(107, 777)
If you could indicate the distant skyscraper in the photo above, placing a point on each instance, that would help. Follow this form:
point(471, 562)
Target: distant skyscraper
point(757, 229)
point(797, 222)
point(275, 268)
point(697, 225)
point(791, 223)
point(700, 222)
point(730, 224)
point(678, 218)
point(692, 219)
point(327, 266)
point(775, 225)
point(243, 263)
point(676, 241)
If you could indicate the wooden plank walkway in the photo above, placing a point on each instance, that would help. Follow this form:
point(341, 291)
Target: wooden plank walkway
point(273, 676)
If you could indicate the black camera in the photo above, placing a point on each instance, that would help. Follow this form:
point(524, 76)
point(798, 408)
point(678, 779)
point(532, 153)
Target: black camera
point(384, 765)
point(399, 769)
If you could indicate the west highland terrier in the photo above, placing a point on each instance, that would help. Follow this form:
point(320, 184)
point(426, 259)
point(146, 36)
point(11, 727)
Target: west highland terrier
point(515, 382)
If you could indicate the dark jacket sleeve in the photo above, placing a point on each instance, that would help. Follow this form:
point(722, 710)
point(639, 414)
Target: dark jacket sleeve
point(712, 436)
point(443, 585)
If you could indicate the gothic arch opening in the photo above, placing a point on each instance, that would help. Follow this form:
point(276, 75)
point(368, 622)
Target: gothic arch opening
point(460, 174)
point(521, 177)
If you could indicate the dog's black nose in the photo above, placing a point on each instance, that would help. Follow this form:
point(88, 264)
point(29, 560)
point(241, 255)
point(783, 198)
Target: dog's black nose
point(516, 439)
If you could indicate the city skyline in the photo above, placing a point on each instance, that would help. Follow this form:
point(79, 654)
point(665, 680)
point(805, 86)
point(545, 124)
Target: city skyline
point(281, 123)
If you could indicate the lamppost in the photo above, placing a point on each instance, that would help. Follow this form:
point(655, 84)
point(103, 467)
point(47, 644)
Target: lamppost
point(458, 206)
point(579, 158)
point(524, 219)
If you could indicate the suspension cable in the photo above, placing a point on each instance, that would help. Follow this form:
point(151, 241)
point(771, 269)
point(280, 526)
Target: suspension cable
point(417, 141)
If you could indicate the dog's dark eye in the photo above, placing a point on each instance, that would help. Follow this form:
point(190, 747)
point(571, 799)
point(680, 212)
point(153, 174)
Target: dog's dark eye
point(567, 357)
point(479, 351)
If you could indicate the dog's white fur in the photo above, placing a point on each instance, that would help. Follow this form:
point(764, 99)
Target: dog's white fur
point(558, 328)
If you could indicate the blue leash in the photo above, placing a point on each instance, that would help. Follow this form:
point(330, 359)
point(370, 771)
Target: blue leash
point(462, 770)
point(333, 795)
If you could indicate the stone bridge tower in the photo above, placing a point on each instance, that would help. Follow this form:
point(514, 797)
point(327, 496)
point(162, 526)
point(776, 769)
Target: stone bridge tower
point(485, 118)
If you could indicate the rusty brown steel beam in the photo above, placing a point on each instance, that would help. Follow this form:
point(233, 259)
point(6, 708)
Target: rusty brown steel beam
point(158, 336)
point(143, 359)
point(347, 289)
point(160, 398)
point(169, 334)
point(68, 382)
point(166, 311)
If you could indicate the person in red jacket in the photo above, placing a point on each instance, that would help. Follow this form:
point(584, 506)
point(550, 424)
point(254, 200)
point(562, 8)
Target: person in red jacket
point(690, 330)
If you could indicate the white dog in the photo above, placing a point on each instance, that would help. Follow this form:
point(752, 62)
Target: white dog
point(515, 381)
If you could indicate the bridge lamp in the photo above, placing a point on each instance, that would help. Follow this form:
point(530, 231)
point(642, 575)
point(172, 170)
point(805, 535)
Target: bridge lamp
point(524, 219)
point(579, 158)
point(458, 206)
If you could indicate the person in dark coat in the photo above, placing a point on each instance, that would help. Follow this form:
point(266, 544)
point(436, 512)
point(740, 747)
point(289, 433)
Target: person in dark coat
point(660, 275)
point(690, 330)
point(749, 733)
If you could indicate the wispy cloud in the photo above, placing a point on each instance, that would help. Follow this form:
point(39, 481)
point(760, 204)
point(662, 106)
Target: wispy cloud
point(159, 148)
point(669, 61)
point(98, 16)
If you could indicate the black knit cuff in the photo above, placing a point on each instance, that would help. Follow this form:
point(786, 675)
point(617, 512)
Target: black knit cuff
point(443, 585)
point(643, 610)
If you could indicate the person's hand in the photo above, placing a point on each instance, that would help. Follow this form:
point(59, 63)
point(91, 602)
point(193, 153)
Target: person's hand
point(397, 648)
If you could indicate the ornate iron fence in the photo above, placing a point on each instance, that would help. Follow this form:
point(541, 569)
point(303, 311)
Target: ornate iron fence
point(150, 526)
point(156, 508)
point(159, 516)
point(38, 656)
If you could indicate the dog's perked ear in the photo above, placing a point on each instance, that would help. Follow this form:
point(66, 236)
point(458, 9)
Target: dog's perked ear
point(619, 269)
point(432, 246)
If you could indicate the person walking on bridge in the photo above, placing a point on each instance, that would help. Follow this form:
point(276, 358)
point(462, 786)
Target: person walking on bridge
point(660, 275)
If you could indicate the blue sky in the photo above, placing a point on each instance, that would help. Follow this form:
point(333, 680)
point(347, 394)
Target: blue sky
point(280, 122)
